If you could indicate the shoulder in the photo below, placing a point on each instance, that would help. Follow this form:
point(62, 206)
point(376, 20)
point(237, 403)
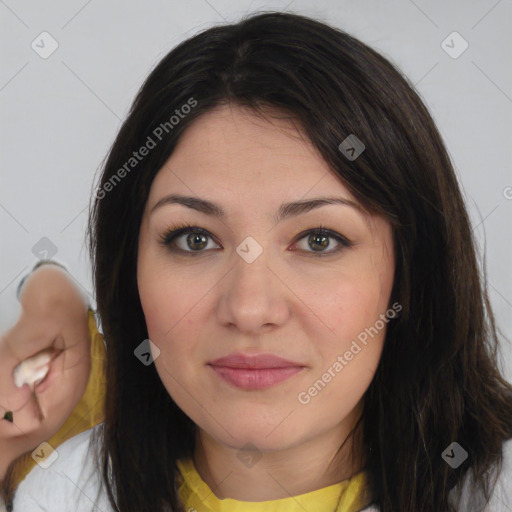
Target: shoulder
point(501, 496)
point(67, 480)
point(502, 493)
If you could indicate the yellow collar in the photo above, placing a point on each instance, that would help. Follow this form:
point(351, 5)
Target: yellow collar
point(347, 496)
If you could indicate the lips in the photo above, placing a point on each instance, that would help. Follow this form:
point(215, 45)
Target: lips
point(254, 372)
point(259, 361)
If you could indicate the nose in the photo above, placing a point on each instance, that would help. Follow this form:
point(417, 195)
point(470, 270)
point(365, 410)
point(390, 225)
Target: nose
point(253, 296)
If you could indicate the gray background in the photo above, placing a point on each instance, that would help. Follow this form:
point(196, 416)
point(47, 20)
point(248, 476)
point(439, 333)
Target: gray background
point(60, 114)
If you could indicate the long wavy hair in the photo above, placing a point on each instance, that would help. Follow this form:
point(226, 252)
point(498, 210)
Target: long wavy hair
point(438, 379)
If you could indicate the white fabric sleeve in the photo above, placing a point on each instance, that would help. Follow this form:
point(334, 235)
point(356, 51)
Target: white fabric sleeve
point(70, 484)
point(501, 498)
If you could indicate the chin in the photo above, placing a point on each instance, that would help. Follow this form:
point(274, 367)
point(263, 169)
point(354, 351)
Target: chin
point(259, 437)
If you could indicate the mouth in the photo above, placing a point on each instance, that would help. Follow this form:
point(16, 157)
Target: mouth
point(253, 379)
point(253, 372)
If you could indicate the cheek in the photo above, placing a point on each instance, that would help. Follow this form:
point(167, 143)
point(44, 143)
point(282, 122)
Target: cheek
point(168, 305)
point(174, 315)
point(169, 290)
point(351, 305)
point(345, 304)
point(345, 369)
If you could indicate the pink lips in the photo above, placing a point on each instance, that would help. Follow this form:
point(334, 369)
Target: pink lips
point(254, 372)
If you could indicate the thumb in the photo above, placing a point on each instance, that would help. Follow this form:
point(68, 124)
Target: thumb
point(26, 353)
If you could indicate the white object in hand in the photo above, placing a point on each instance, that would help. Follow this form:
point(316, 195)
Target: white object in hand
point(32, 369)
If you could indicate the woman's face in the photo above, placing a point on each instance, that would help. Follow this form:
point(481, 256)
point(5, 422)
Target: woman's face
point(254, 284)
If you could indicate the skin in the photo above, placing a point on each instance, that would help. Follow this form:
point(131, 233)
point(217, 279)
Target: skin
point(54, 313)
point(290, 303)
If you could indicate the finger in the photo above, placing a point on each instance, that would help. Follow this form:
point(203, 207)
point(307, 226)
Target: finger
point(16, 384)
point(29, 336)
point(21, 422)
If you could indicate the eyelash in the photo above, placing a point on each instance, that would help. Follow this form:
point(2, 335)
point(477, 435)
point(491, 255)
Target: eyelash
point(174, 231)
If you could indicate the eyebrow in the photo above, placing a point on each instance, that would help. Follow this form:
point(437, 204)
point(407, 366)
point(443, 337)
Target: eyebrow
point(286, 210)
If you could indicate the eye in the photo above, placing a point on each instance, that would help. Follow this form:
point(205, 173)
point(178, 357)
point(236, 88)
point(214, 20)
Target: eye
point(318, 240)
point(193, 243)
point(192, 240)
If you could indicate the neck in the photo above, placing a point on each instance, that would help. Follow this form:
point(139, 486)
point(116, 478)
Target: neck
point(297, 470)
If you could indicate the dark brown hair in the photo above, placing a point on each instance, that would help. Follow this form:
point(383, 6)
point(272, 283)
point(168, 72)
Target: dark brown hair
point(438, 379)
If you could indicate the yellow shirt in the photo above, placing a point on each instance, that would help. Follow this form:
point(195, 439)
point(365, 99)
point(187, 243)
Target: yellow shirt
point(347, 496)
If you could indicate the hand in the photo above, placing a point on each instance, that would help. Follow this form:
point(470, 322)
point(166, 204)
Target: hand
point(54, 316)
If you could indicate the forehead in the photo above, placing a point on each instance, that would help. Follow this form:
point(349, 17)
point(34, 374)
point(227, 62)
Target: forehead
point(233, 149)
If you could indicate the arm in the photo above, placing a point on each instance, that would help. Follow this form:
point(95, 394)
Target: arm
point(54, 316)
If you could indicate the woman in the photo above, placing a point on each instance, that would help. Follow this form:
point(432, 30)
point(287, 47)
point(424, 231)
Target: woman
point(279, 216)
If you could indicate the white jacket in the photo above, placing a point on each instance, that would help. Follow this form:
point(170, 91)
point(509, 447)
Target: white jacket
point(71, 484)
